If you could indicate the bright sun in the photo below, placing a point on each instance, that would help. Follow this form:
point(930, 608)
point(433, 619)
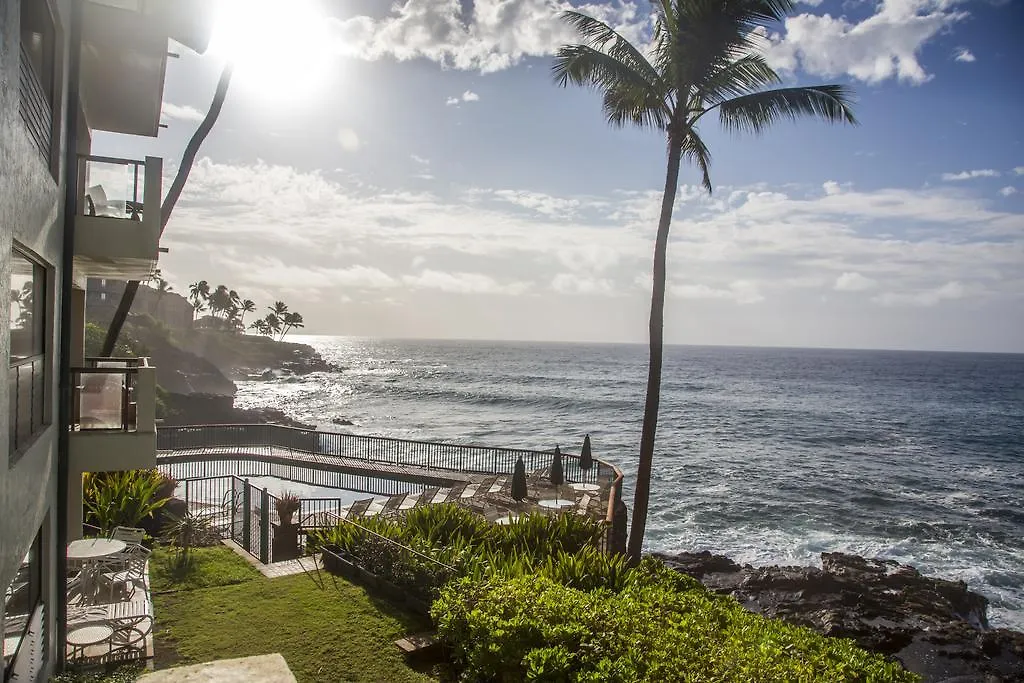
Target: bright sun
point(282, 47)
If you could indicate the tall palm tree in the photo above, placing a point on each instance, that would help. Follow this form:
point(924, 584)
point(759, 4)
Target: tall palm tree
point(703, 59)
point(278, 309)
point(291, 321)
point(188, 158)
point(199, 295)
point(247, 306)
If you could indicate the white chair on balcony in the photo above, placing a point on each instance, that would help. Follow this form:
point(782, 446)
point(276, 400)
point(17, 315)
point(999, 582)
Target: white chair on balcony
point(97, 204)
point(126, 570)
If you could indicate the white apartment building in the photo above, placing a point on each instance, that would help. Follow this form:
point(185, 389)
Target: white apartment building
point(69, 68)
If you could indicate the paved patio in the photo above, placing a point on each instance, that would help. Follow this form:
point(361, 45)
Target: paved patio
point(263, 668)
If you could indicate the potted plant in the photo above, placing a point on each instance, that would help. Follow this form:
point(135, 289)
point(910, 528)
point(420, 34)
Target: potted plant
point(286, 533)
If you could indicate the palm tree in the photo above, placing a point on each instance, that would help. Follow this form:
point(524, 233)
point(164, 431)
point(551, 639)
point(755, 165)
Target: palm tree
point(220, 300)
point(188, 158)
point(199, 294)
point(278, 309)
point(273, 323)
point(291, 321)
point(703, 58)
point(247, 306)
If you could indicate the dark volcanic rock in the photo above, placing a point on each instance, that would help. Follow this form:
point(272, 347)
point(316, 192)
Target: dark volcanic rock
point(936, 628)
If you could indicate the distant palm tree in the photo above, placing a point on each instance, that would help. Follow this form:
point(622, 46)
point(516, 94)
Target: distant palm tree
point(199, 294)
point(247, 306)
point(273, 323)
point(703, 57)
point(220, 301)
point(291, 321)
point(278, 309)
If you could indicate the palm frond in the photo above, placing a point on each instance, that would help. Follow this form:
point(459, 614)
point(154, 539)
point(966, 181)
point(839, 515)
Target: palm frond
point(696, 151)
point(756, 112)
point(604, 38)
point(742, 76)
point(629, 91)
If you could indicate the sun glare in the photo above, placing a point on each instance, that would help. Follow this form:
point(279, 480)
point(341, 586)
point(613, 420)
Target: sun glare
point(281, 47)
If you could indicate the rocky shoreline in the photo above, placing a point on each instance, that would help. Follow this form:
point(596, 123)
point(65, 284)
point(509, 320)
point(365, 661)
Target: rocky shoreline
point(936, 628)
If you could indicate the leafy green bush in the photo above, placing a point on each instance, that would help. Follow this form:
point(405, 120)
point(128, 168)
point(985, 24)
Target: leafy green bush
point(122, 498)
point(655, 629)
point(124, 674)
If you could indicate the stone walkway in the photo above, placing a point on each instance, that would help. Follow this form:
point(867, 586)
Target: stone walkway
point(263, 668)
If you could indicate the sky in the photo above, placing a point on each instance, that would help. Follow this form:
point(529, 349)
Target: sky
point(410, 169)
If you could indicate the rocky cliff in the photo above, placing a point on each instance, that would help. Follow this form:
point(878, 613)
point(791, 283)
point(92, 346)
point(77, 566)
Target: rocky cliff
point(936, 628)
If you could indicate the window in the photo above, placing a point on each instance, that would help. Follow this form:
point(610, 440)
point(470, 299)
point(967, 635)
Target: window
point(24, 643)
point(27, 377)
point(37, 74)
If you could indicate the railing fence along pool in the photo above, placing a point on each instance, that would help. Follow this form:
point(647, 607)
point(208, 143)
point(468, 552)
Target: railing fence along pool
point(214, 461)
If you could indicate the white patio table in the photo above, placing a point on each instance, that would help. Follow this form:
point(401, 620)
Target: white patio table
point(589, 488)
point(88, 552)
point(85, 636)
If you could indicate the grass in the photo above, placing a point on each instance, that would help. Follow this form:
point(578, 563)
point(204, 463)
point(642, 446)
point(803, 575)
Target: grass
point(216, 566)
point(336, 632)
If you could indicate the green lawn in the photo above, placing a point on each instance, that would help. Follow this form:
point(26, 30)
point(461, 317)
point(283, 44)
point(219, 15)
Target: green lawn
point(333, 632)
point(216, 566)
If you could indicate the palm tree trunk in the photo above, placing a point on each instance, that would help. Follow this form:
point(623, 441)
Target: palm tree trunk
point(177, 185)
point(650, 427)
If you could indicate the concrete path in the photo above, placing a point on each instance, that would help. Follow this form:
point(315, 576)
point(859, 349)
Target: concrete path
point(264, 668)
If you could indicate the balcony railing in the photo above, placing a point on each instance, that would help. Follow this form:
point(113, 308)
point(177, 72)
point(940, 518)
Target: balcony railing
point(34, 106)
point(106, 394)
point(112, 187)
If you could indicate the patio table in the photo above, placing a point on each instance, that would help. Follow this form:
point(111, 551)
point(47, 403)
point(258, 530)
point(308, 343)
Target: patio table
point(589, 488)
point(87, 636)
point(555, 503)
point(88, 552)
point(505, 520)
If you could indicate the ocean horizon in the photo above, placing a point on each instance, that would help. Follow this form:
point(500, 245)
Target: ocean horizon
point(771, 455)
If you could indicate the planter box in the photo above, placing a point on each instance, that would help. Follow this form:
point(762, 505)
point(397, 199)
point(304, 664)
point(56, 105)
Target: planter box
point(286, 543)
point(348, 567)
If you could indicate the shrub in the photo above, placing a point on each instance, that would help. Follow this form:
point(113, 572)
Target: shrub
point(122, 498)
point(536, 629)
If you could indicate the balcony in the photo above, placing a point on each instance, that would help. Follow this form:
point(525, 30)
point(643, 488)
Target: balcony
point(117, 229)
point(114, 415)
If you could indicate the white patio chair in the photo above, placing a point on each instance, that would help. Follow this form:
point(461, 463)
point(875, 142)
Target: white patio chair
point(130, 535)
point(128, 569)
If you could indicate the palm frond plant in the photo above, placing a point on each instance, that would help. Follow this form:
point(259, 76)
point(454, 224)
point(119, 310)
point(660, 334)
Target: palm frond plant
point(703, 60)
point(114, 499)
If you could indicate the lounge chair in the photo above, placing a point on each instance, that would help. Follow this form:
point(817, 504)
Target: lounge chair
point(455, 492)
point(393, 502)
point(427, 497)
point(583, 504)
point(484, 487)
point(358, 508)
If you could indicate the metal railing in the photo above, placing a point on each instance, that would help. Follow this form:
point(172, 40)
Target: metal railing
point(126, 178)
point(27, 386)
point(35, 108)
point(214, 441)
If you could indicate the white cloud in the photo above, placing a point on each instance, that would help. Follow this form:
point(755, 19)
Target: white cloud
point(537, 201)
point(181, 112)
point(490, 36)
point(1018, 170)
point(423, 161)
point(968, 175)
point(740, 291)
point(349, 140)
point(1008, 190)
point(853, 282)
point(927, 297)
point(468, 96)
point(962, 54)
point(463, 283)
point(883, 46)
point(569, 283)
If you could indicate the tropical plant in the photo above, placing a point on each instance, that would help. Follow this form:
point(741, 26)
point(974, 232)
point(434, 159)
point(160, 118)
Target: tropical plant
point(114, 499)
point(187, 531)
point(188, 159)
point(278, 309)
point(287, 504)
point(703, 58)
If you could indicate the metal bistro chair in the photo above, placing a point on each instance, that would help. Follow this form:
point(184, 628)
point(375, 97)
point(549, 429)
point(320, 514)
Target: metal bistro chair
point(130, 535)
point(127, 569)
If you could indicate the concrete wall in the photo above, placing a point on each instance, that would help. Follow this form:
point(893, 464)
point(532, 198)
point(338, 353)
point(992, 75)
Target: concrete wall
point(31, 203)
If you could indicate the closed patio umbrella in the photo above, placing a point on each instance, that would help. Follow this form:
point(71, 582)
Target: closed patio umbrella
point(519, 491)
point(556, 474)
point(586, 457)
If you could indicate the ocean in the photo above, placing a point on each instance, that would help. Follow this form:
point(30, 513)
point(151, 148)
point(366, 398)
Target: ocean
point(766, 455)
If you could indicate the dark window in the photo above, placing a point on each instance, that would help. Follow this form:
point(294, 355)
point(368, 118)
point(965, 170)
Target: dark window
point(37, 79)
point(28, 357)
point(24, 643)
